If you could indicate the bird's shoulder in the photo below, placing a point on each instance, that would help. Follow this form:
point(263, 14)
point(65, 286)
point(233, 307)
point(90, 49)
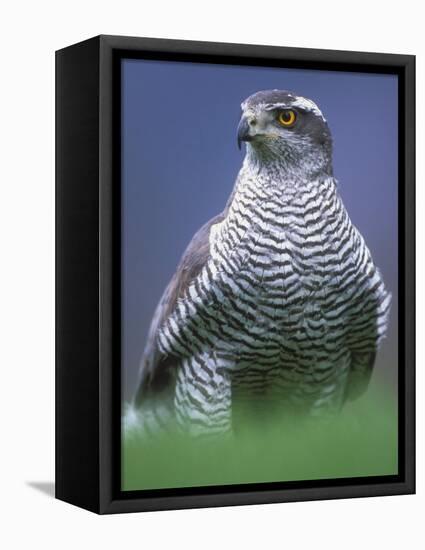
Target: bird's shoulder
point(155, 366)
point(191, 264)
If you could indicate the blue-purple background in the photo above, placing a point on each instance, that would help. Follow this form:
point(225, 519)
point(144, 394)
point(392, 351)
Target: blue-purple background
point(180, 160)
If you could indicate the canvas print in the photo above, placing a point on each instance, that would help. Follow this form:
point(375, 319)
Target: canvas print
point(259, 282)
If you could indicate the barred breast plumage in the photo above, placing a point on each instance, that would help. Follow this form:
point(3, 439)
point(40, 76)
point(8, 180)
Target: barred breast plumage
point(277, 301)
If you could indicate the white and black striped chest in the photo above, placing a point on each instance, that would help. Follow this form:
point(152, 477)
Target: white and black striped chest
point(276, 255)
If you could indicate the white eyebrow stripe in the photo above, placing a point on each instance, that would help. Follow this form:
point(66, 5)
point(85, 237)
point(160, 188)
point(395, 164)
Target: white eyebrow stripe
point(308, 105)
point(296, 101)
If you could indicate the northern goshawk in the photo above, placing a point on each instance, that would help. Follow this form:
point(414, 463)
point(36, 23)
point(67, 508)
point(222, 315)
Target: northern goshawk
point(276, 301)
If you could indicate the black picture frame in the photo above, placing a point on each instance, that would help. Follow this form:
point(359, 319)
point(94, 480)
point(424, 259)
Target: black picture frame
point(88, 397)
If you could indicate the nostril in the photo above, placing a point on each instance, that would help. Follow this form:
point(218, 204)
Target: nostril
point(252, 122)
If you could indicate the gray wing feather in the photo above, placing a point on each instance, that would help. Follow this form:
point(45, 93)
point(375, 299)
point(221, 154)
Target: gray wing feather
point(156, 369)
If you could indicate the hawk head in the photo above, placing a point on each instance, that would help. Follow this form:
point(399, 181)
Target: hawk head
point(287, 130)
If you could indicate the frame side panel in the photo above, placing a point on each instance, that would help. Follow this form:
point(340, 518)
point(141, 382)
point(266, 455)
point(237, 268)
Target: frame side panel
point(109, 292)
point(77, 274)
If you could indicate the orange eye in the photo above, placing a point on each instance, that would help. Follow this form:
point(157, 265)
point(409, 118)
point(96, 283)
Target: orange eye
point(287, 118)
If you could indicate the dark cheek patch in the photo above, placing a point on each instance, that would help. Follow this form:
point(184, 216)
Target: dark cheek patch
point(315, 128)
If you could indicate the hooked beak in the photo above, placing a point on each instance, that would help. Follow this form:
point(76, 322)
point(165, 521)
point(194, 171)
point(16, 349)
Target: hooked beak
point(243, 131)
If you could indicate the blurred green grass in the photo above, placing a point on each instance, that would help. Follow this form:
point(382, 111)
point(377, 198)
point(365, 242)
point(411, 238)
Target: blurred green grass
point(361, 441)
